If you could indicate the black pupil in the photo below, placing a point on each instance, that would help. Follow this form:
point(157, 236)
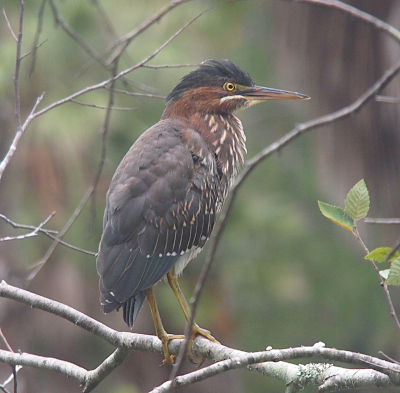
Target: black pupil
point(230, 86)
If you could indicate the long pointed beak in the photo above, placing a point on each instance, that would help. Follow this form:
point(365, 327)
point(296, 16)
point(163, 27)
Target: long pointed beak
point(259, 93)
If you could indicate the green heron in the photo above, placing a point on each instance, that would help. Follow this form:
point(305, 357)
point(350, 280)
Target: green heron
point(169, 188)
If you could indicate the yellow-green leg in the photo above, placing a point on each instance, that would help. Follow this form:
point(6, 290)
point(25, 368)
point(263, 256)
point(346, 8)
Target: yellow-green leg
point(196, 329)
point(160, 331)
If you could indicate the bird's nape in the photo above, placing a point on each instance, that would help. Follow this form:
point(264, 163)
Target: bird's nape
point(169, 188)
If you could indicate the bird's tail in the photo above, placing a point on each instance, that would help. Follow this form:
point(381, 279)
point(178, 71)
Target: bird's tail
point(131, 308)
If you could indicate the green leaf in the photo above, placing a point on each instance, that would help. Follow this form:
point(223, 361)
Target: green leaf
point(357, 201)
point(380, 254)
point(337, 215)
point(384, 273)
point(394, 274)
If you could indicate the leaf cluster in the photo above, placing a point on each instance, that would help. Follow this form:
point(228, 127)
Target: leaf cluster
point(357, 205)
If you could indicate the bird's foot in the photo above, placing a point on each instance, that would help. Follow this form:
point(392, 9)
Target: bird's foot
point(203, 332)
point(165, 339)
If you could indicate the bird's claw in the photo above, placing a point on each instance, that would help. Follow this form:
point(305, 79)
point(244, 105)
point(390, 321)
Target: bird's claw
point(197, 330)
point(168, 358)
point(203, 332)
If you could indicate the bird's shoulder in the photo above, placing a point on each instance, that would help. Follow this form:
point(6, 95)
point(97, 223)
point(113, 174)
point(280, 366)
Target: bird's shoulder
point(166, 156)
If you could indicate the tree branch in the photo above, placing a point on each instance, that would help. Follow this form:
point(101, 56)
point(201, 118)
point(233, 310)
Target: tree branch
point(269, 362)
point(46, 363)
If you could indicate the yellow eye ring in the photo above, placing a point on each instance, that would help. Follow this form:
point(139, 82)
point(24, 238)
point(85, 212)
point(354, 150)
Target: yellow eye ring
point(229, 86)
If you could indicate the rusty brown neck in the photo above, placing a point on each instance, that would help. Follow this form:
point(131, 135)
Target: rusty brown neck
point(223, 133)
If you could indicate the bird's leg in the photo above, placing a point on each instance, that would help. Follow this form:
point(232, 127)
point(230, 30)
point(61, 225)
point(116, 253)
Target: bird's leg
point(196, 329)
point(160, 331)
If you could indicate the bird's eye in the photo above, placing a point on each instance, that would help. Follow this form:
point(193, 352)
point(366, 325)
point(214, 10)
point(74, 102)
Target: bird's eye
point(229, 86)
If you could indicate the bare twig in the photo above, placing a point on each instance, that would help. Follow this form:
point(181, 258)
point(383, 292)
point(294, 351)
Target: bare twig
point(381, 280)
point(47, 232)
point(394, 250)
point(389, 358)
point(355, 12)
point(129, 93)
point(33, 50)
point(18, 135)
point(114, 108)
point(105, 18)
point(3, 387)
point(12, 377)
point(39, 264)
point(30, 234)
point(15, 369)
point(162, 66)
point(388, 100)
point(104, 136)
point(3, 337)
point(19, 132)
point(388, 221)
point(23, 226)
point(94, 377)
point(121, 74)
point(124, 41)
point(75, 36)
point(9, 25)
point(18, 66)
point(36, 44)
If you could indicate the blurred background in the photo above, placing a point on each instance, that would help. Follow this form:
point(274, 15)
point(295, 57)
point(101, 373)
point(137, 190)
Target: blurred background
point(284, 275)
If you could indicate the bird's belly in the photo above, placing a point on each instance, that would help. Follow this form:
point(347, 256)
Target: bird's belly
point(185, 259)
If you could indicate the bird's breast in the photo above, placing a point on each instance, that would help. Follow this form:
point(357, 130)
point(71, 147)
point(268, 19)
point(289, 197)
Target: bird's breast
point(228, 142)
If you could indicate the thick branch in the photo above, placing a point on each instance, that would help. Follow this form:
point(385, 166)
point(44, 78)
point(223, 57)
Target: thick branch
point(47, 363)
point(62, 310)
point(268, 362)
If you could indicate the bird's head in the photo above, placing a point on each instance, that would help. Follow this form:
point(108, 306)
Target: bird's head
point(222, 87)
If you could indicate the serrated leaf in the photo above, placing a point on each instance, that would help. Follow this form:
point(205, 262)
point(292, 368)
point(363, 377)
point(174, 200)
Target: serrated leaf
point(357, 201)
point(384, 273)
point(394, 274)
point(337, 215)
point(380, 254)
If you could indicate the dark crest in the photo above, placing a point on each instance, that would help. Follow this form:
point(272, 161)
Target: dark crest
point(211, 73)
